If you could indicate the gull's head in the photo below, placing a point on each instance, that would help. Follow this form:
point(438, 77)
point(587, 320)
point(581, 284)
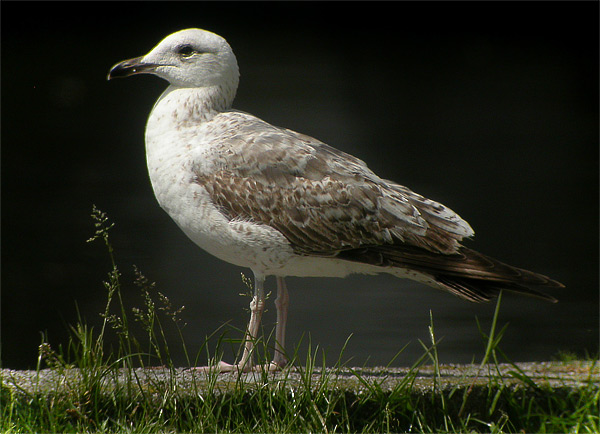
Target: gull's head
point(188, 58)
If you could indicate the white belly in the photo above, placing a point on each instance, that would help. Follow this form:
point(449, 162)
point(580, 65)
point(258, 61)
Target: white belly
point(246, 244)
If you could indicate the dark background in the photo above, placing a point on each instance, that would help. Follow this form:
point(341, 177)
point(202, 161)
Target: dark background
point(490, 108)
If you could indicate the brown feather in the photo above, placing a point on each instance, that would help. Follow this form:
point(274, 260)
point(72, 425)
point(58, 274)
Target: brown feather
point(328, 203)
point(468, 274)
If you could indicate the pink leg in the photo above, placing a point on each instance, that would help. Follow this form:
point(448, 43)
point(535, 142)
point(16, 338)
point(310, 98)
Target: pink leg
point(281, 302)
point(257, 307)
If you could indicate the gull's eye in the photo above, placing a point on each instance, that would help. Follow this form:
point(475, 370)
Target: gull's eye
point(186, 51)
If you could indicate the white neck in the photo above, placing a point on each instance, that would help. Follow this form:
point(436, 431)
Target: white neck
point(177, 118)
point(179, 105)
point(179, 109)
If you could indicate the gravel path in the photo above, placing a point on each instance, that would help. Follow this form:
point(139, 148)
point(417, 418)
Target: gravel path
point(569, 375)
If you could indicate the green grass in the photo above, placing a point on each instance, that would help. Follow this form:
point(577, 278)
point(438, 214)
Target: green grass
point(307, 398)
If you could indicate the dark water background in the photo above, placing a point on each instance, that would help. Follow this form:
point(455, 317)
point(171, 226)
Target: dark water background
point(490, 108)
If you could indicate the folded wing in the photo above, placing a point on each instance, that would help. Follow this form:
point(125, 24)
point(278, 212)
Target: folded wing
point(328, 203)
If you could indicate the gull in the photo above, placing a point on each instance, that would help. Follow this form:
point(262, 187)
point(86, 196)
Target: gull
point(285, 204)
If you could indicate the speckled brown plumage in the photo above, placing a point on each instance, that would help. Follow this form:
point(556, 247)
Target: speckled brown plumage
point(329, 204)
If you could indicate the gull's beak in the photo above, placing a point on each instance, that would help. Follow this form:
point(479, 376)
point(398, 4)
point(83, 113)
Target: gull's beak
point(131, 67)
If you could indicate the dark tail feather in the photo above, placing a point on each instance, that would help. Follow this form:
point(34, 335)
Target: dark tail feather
point(478, 290)
point(468, 274)
point(495, 277)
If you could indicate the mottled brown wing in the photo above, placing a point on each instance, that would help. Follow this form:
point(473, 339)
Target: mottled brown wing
point(317, 217)
point(328, 203)
point(321, 199)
